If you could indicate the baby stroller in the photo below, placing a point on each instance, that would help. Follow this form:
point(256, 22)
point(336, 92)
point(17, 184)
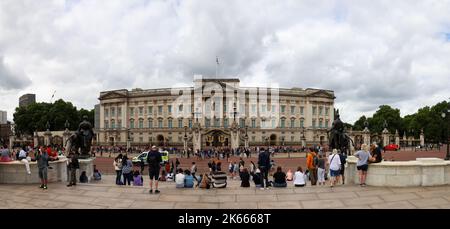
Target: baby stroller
point(219, 179)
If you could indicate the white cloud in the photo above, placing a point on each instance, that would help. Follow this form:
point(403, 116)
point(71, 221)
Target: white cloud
point(370, 53)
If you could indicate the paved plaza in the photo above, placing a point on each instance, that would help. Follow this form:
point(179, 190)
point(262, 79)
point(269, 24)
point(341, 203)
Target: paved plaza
point(105, 194)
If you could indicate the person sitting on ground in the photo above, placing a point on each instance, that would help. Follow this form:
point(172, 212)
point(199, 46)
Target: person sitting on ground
point(245, 178)
point(257, 178)
point(299, 178)
point(179, 179)
point(289, 175)
point(188, 179)
point(205, 182)
point(279, 178)
point(137, 179)
point(83, 177)
point(97, 174)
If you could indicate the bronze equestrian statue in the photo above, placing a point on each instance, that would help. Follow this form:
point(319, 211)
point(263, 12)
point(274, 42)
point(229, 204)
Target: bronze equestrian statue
point(338, 139)
point(81, 140)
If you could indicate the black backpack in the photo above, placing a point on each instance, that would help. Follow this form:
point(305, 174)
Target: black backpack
point(315, 161)
point(152, 158)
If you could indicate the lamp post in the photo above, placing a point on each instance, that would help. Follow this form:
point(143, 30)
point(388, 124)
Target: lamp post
point(185, 139)
point(128, 139)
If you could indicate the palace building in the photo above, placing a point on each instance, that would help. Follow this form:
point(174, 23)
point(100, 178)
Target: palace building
point(215, 112)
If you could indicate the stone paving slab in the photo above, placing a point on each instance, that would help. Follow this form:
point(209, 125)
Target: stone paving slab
point(105, 194)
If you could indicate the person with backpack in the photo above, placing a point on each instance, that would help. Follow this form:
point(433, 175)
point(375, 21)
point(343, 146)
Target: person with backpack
point(334, 163)
point(343, 158)
point(154, 160)
point(264, 166)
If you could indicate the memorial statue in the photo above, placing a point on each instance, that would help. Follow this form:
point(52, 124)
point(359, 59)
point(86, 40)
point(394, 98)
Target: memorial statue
point(337, 137)
point(82, 139)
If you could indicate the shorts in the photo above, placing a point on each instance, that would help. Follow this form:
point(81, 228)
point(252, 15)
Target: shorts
point(153, 173)
point(43, 173)
point(335, 173)
point(362, 167)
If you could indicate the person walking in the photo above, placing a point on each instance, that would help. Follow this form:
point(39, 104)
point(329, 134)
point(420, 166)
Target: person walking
point(154, 160)
point(311, 161)
point(264, 166)
point(321, 170)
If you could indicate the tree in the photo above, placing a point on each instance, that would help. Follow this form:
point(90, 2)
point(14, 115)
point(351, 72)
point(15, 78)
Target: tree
point(34, 117)
point(359, 124)
point(388, 114)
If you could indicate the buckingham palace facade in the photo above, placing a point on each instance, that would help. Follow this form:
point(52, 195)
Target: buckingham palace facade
point(215, 112)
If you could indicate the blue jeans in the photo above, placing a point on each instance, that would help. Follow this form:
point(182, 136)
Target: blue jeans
point(118, 176)
point(127, 177)
point(264, 176)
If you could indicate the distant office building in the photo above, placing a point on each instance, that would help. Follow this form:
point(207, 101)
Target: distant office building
point(5, 132)
point(3, 117)
point(27, 99)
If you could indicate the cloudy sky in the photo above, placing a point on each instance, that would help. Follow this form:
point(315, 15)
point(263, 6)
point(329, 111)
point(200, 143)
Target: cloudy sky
point(369, 52)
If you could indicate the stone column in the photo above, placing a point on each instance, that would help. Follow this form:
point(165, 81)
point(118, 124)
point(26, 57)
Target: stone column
point(11, 141)
point(366, 136)
point(397, 138)
point(35, 139)
point(352, 147)
point(404, 139)
point(234, 136)
point(385, 134)
point(47, 137)
point(66, 136)
point(246, 142)
point(196, 138)
point(422, 138)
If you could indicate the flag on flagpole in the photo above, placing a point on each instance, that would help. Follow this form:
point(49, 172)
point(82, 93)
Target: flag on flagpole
point(217, 60)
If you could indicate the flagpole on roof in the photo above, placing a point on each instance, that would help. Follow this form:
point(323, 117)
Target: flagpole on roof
point(51, 99)
point(217, 65)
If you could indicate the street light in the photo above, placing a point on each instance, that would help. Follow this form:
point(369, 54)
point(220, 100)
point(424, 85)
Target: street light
point(445, 115)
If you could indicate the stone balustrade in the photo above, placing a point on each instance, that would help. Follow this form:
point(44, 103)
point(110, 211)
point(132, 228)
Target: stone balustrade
point(421, 172)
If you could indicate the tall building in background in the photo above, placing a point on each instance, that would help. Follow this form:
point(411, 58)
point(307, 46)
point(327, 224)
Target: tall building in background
point(3, 117)
point(27, 99)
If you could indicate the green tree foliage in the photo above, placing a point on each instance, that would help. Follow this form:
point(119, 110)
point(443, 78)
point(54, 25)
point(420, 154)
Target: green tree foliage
point(427, 118)
point(34, 117)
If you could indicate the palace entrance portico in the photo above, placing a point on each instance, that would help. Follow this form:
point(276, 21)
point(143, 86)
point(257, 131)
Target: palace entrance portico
point(217, 138)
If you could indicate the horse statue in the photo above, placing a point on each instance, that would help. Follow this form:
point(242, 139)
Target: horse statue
point(81, 140)
point(338, 139)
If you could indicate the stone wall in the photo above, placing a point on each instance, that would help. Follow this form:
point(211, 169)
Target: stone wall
point(14, 172)
point(421, 172)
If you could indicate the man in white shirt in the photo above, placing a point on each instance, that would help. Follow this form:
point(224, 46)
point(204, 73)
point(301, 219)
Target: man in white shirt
point(334, 163)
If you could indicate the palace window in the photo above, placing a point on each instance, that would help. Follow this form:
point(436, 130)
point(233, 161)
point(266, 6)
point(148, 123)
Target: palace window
point(141, 123)
point(225, 107)
point(302, 110)
point(292, 123)
point(283, 123)
point(242, 123)
point(150, 110)
point(169, 109)
point(106, 124)
point(253, 108)
point(170, 123)
point(326, 123)
point(273, 123)
point(106, 113)
point(160, 111)
point(320, 110)
point(113, 112)
point(225, 122)
point(207, 122)
point(263, 108)
point(302, 123)
point(190, 123)
point(180, 123)
point(242, 109)
point(313, 123)
point(263, 123)
point(131, 111)
point(180, 108)
point(283, 108)
point(274, 109)
point(320, 123)
point(216, 122)
point(327, 110)
point(160, 123)
point(314, 110)
point(131, 123)
point(253, 123)
point(150, 123)
point(292, 109)
point(119, 111)
point(119, 124)
point(113, 124)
